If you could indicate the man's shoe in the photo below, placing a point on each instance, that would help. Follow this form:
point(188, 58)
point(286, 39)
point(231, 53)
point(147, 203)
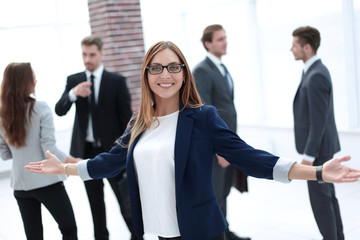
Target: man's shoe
point(232, 236)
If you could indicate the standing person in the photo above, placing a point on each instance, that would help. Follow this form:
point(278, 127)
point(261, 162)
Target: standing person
point(102, 111)
point(316, 135)
point(26, 132)
point(168, 151)
point(215, 87)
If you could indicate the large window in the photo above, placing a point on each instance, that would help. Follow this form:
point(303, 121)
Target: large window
point(281, 74)
point(46, 33)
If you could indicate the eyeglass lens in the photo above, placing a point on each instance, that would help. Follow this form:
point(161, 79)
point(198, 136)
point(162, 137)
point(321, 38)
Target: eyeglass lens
point(171, 68)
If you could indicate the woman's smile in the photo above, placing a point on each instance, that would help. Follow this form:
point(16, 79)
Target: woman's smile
point(166, 85)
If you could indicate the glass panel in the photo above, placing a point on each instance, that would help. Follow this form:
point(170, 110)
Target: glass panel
point(46, 33)
point(280, 71)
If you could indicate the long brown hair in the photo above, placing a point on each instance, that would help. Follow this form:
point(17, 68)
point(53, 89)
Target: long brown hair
point(188, 94)
point(17, 85)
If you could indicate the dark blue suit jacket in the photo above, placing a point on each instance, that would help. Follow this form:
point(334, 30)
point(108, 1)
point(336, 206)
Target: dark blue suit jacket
point(200, 133)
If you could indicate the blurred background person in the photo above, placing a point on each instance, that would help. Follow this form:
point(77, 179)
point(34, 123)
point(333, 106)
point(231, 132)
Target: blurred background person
point(26, 132)
point(216, 88)
point(316, 136)
point(103, 109)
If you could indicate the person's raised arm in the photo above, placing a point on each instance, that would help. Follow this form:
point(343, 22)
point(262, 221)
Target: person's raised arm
point(52, 166)
point(332, 171)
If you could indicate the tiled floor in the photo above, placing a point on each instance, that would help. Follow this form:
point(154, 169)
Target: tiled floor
point(269, 211)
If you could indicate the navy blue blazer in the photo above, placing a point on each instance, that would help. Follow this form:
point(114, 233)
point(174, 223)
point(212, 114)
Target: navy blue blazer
point(200, 134)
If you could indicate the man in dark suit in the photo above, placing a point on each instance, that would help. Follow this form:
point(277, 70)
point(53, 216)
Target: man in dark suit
point(215, 87)
point(103, 109)
point(316, 135)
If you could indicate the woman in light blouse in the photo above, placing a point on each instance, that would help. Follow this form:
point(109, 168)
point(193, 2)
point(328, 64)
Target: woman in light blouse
point(167, 151)
point(26, 133)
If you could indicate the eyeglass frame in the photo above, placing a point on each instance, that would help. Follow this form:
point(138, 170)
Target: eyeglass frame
point(182, 65)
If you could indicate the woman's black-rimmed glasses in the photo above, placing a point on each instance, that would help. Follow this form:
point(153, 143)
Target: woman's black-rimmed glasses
point(171, 68)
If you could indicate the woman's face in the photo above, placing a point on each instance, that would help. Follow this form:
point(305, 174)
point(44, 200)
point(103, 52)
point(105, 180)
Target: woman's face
point(165, 86)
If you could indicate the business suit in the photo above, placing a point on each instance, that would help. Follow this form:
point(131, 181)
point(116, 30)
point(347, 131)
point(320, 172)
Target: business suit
point(113, 111)
point(33, 190)
point(316, 135)
point(213, 89)
point(200, 133)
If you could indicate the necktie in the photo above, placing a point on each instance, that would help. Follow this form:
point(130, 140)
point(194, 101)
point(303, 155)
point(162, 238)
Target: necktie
point(228, 79)
point(93, 109)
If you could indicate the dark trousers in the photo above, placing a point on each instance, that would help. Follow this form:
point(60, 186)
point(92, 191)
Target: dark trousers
point(325, 207)
point(56, 200)
point(220, 237)
point(95, 191)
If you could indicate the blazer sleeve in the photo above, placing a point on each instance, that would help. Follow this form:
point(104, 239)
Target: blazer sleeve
point(64, 104)
point(110, 164)
point(204, 84)
point(229, 145)
point(318, 94)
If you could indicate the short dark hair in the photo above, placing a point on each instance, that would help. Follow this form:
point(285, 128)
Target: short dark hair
point(208, 33)
point(93, 40)
point(308, 35)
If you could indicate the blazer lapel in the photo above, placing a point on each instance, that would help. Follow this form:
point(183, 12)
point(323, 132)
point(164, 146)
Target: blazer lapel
point(304, 76)
point(182, 146)
point(84, 101)
point(102, 87)
point(181, 152)
point(134, 189)
point(217, 72)
point(130, 169)
point(214, 68)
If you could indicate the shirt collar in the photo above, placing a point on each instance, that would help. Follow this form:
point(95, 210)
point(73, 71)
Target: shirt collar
point(310, 62)
point(214, 59)
point(97, 73)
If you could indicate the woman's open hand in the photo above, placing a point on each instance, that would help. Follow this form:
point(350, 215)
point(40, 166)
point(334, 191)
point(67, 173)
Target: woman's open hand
point(51, 166)
point(334, 171)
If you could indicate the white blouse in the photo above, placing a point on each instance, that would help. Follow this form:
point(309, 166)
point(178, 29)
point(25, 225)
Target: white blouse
point(155, 167)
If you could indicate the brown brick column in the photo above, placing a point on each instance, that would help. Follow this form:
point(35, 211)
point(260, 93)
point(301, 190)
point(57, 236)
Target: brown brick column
point(118, 22)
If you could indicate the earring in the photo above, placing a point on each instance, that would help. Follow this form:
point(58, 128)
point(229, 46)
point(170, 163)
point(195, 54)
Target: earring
point(184, 81)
